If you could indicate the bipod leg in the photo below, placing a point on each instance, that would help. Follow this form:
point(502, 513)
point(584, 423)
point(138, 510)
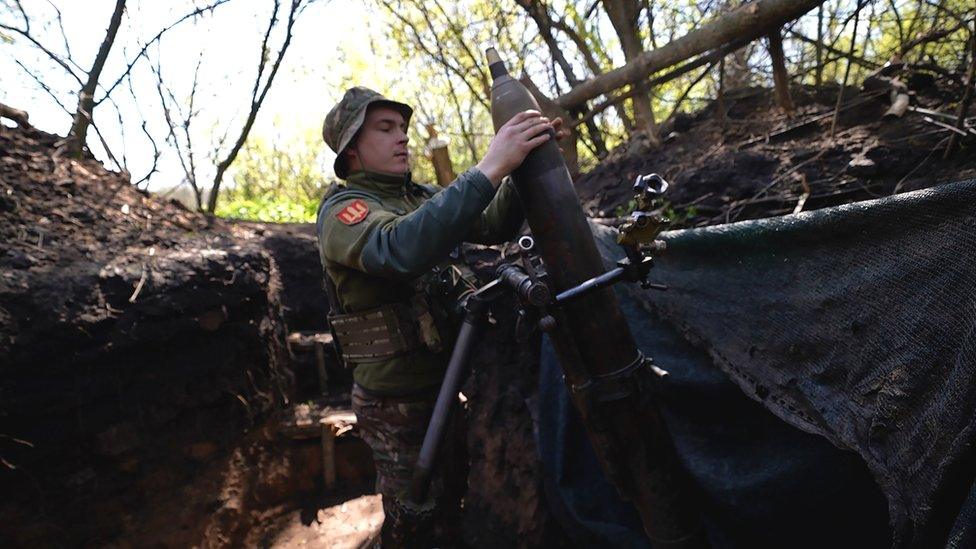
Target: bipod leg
point(457, 371)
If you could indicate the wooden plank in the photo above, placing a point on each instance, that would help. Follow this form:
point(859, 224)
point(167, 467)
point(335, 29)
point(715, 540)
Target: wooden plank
point(302, 421)
point(306, 341)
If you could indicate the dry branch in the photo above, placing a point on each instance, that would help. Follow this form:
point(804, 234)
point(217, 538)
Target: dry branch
point(78, 134)
point(930, 36)
point(258, 93)
point(847, 69)
point(840, 54)
point(145, 47)
point(17, 115)
point(26, 33)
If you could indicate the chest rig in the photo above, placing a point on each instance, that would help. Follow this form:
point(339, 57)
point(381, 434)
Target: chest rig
point(426, 318)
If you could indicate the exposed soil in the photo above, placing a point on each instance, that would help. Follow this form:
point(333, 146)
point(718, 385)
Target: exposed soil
point(142, 354)
point(348, 524)
point(742, 158)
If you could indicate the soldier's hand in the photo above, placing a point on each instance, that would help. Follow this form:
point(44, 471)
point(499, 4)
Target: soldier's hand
point(513, 142)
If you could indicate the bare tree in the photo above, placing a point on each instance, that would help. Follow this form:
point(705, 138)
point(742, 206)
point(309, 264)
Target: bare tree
point(178, 121)
point(262, 84)
point(88, 80)
point(78, 135)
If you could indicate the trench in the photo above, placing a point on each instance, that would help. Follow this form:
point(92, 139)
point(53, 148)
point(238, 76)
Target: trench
point(211, 411)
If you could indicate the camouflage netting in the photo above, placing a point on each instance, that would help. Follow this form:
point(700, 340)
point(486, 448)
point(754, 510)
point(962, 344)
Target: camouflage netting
point(855, 323)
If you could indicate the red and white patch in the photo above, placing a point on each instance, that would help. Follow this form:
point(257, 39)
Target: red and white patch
point(356, 211)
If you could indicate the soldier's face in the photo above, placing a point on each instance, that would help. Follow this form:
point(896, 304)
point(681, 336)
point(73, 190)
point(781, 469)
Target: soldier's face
point(381, 145)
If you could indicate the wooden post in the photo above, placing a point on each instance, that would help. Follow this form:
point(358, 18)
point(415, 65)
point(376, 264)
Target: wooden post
point(440, 157)
point(328, 455)
point(320, 366)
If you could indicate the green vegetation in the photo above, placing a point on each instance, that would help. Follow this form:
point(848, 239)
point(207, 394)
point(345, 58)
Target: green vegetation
point(277, 181)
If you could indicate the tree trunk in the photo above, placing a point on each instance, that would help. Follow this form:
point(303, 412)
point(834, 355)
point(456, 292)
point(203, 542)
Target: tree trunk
point(567, 146)
point(623, 17)
point(86, 97)
point(750, 21)
point(818, 74)
point(720, 113)
point(967, 98)
point(781, 78)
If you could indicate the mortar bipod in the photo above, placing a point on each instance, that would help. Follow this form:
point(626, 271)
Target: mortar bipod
point(475, 306)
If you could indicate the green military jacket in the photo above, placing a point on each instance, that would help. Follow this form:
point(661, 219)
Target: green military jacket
point(376, 242)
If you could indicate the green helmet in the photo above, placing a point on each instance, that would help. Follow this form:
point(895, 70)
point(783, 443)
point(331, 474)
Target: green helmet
point(345, 119)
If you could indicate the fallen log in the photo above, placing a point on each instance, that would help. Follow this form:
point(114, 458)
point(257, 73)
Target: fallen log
point(748, 22)
point(17, 115)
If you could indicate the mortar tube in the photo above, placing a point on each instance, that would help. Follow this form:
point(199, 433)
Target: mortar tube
point(592, 338)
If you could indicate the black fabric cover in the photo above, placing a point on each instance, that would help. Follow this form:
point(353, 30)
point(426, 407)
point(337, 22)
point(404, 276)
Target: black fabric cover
point(855, 323)
point(760, 482)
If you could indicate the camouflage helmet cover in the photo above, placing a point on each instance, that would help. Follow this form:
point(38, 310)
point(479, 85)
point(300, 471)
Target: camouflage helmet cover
point(345, 119)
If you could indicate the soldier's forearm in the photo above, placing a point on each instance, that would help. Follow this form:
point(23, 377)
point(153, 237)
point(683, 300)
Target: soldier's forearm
point(417, 241)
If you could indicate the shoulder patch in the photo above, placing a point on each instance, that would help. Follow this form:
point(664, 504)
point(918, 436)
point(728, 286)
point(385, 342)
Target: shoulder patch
point(354, 212)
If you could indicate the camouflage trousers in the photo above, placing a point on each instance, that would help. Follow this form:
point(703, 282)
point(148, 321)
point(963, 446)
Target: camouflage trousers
point(394, 429)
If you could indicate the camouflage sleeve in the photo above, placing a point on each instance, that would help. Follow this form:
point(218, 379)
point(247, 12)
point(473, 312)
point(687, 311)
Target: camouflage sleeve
point(403, 246)
point(501, 220)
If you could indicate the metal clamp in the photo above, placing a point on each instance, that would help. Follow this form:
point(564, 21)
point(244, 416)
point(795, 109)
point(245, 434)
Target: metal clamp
point(618, 385)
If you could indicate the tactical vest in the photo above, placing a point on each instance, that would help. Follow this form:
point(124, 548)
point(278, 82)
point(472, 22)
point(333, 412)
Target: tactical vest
point(427, 318)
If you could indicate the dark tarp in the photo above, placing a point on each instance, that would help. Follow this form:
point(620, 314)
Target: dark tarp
point(854, 323)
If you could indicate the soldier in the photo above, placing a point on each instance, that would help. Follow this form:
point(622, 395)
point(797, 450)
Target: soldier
point(387, 245)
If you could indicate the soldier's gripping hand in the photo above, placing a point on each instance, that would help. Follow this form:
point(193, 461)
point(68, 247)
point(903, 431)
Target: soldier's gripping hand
point(524, 132)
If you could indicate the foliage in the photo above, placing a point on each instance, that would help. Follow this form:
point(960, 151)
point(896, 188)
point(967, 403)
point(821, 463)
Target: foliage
point(277, 180)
